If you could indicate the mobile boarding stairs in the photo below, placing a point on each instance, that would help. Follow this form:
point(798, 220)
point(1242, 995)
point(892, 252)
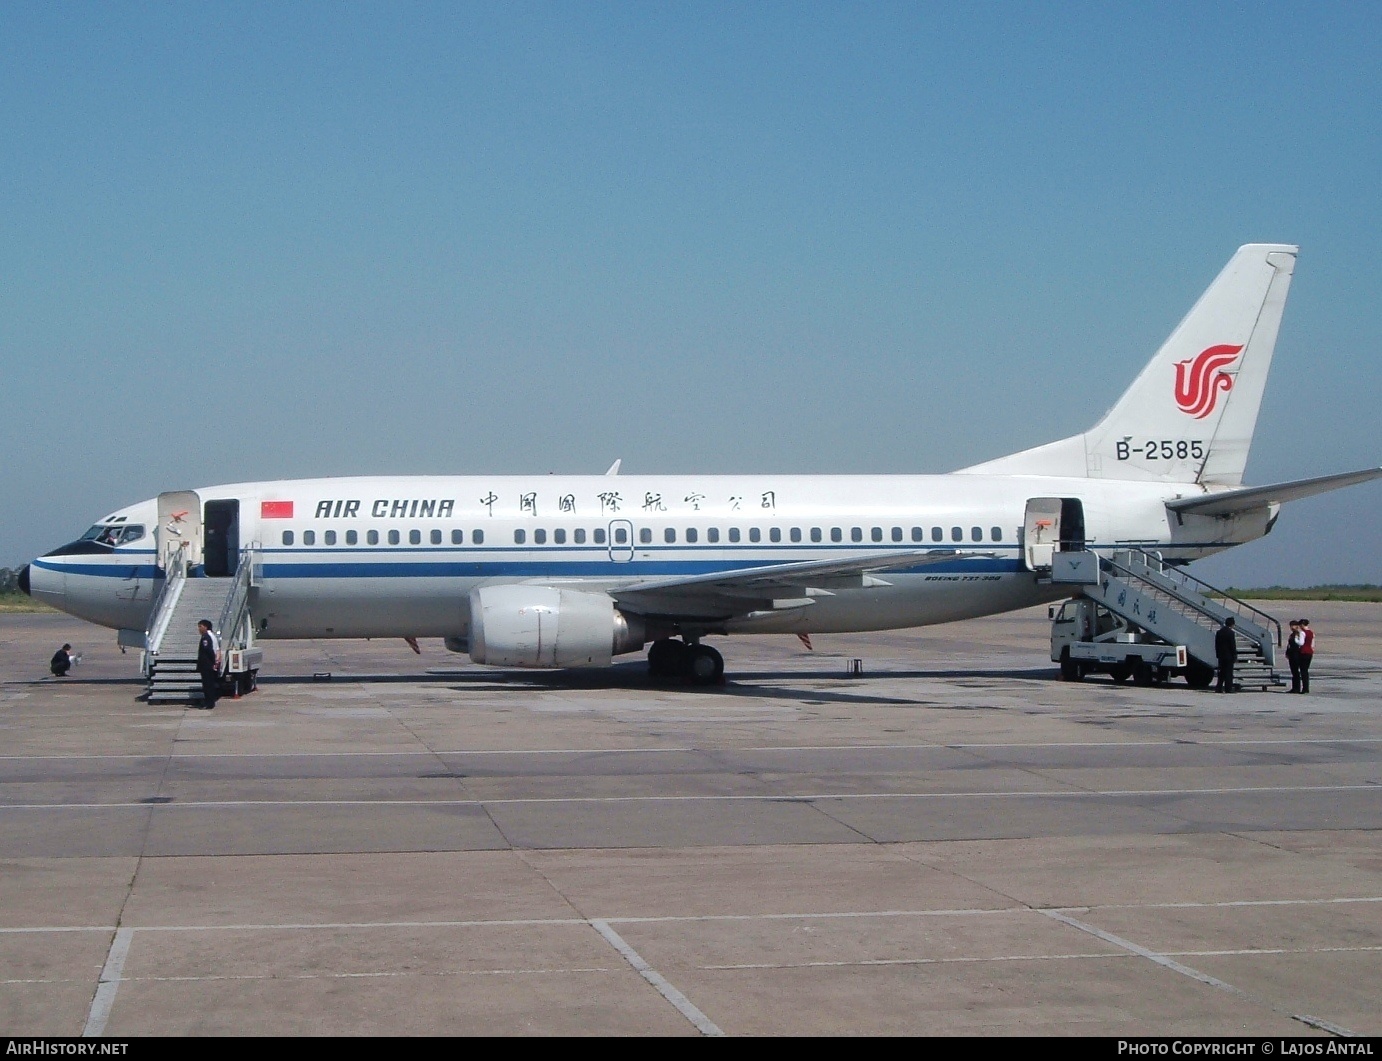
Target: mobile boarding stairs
point(170, 652)
point(1144, 602)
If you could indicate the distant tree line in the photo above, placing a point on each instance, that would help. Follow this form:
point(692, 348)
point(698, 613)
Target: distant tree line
point(9, 580)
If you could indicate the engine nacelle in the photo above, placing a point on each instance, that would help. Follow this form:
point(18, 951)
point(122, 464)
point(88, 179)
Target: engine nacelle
point(538, 626)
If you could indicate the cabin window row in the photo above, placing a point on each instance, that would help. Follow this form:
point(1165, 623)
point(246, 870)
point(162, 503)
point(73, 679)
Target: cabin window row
point(477, 537)
point(691, 535)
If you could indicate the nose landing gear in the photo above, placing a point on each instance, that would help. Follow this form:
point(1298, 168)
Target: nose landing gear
point(698, 664)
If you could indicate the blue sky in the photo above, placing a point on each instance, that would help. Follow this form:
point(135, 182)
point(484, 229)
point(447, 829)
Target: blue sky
point(243, 241)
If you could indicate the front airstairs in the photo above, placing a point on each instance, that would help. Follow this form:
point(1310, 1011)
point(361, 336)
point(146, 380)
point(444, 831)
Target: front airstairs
point(172, 637)
point(1165, 602)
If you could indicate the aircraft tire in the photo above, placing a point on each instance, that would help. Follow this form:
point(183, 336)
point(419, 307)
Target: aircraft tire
point(704, 666)
point(667, 658)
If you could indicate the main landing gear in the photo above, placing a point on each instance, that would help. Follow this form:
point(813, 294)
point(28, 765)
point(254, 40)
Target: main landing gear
point(698, 664)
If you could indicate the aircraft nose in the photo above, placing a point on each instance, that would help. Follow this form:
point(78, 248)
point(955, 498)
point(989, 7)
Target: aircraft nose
point(24, 580)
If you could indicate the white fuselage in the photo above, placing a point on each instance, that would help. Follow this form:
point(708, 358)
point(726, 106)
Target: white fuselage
point(398, 556)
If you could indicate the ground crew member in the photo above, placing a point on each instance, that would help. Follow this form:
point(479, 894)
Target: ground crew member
point(208, 664)
point(62, 662)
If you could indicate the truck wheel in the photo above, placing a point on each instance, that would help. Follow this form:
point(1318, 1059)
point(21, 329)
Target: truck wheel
point(1070, 670)
point(1197, 675)
point(1141, 673)
point(1120, 672)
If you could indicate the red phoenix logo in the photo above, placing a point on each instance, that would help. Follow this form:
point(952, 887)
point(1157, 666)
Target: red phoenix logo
point(1200, 379)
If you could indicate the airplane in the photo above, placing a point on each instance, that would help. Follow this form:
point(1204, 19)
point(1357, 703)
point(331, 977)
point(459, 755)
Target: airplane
point(558, 571)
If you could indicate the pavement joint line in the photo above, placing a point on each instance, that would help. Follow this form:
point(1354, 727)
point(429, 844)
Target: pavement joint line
point(1170, 963)
point(783, 797)
point(359, 976)
point(681, 918)
point(1217, 905)
point(1249, 952)
point(108, 984)
point(730, 748)
point(684, 1005)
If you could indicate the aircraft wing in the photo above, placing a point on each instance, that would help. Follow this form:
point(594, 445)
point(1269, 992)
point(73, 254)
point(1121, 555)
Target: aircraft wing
point(1228, 502)
point(774, 587)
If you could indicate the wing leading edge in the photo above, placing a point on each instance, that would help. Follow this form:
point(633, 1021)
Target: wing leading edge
point(722, 595)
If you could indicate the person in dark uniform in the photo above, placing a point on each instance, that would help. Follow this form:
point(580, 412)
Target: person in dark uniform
point(61, 662)
point(208, 664)
point(1226, 649)
point(1293, 644)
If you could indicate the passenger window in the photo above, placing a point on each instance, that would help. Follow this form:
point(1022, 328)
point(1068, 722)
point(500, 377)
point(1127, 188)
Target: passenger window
point(287, 537)
point(393, 537)
point(957, 534)
point(692, 535)
point(996, 533)
point(457, 537)
point(621, 536)
point(352, 538)
point(559, 537)
point(415, 537)
point(917, 534)
point(520, 536)
point(755, 535)
point(329, 537)
point(539, 537)
point(309, 537)
point(976, 534)
point(897, 534)
point(669, 535)
point(936, 534)
point(436, 537)
point(645, 535)
point(876, 534)
point(600, 536)
point(815, 534)
point(578, 535)
point(775, 534)
point(478, 537)
point(712, 534)
point(372, 537)
point(856, 534)
point(836, 535)
point(734, 534)
point(796, 534)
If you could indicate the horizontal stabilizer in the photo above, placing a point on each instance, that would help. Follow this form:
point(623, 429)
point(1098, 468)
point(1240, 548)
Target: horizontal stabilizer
point(1229, 502)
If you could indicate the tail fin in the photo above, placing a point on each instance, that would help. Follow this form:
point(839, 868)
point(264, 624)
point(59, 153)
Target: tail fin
point(1189, 417)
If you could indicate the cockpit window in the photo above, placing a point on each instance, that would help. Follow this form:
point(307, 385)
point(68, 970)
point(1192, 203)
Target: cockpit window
point(114, 534)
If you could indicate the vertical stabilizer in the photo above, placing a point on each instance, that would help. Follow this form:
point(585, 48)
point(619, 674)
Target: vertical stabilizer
point(1190, 415)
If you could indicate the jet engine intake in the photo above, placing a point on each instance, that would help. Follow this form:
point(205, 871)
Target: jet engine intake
point(540, 626)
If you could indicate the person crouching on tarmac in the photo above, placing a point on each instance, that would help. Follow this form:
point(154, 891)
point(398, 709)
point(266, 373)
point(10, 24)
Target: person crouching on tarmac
point(62, 662)
point(208, 664)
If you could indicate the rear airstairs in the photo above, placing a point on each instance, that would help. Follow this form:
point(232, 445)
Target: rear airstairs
point(1154, 602)
point(171, 640)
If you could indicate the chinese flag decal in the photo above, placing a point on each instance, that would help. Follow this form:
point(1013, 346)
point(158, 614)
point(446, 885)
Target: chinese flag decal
point(275, 510)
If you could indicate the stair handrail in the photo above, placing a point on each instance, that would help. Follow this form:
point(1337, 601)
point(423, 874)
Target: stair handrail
point(237, 603)
point(161, 614)
point(1241, 607)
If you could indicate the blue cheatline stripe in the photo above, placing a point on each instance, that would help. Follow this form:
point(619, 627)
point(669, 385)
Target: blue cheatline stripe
point(579, 569)
point(112, 570)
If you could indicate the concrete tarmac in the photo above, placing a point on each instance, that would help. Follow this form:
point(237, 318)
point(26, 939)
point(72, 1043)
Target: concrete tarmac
point(955, 843)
